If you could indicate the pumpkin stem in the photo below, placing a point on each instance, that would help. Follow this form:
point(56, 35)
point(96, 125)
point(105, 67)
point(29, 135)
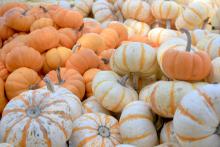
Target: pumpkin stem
point(156, 24)
point(49, 84)
point(60, 80)
point(135, 81)
point(168, 23)
point(33, 87)
point(43, 8)
point(76, 47)
point(106, 61)
point(24, 13)
point(123, 80)
point(215, 27)
point(218, 130)
point(205, 23)
point(104, 131)
point(189, 41)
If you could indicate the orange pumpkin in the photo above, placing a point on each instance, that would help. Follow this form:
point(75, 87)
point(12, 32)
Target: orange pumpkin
point(88, 77)
point(110, 37)
point(64, 18)
point(143, 39)
point(6, 31)
point(20, 37)
point(39, 12)
point(7, 6)
point(120, 29)
point(19, 19)
point(3, 71)
point(3, 100)
point(41, 23)
point(21, 80)
point(91, 41)
point(186, 65)
point(55, 57)
point(91, 26)
point(69, 79)
point(23, 57)
point(43, 39)
point(68, 37)
point(1, 43)
point(83, 60)
point(104, 57)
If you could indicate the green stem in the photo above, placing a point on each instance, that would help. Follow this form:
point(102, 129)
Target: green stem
point(49, 84)
point(189, 41)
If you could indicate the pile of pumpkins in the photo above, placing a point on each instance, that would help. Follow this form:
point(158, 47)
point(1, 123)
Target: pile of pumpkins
point(105, 73)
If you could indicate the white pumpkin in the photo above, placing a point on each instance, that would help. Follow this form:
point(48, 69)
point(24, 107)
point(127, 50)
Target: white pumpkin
point(167, 134)
point(112, 91)
point(95, 130)
point(168, 145)
point(6, 145)
point(83, 6)
point(197, 118)
point(91, 105)
point(214, 75)
point(125, 145)
point(40, 117)
point(140, 28)
point(136, 126)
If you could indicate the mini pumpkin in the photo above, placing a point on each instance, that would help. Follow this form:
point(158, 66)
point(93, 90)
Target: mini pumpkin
point(88, 76)
point(63, 18)
point(83, 6)
point(91, 26)
point(39, 12)
point(18, 19)
point(214, 75)
point(41, 44)
point(9, 5)
point(112, 91)
point(95, 129)
point(6, 31)
point(92, 105)
point(20, 80)
point(120, 28)
point(105, 57)
point(3, 71)
point(83, 60)
point(23, 57)
point(138, 118)
point(41, 23)
point(110, 37)
point(69, 79)
point(167, 134)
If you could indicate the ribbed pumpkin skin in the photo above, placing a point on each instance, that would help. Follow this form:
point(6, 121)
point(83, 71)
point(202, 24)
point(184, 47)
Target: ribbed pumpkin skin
point(105, 57)
point(91, 26)
point(125, 145)
point(41, 23)
point(3, 99)
point(6, 31)
point(87, 132)
point(83, 6)
point(91, 105)
point(88, 77)
point(20, 80)
point(3, 71)
point(4, 8)
point(73, 81)
point(165, 9)
point(167, 134)
point(193, 16)
point(136, 9)
point(164, 96)
point(134, 57)
point(120, 29)
point(23, 57)
point(110, 37)
point(214, 75)
point(138, 27)
point(50, 125)
point(83, 60)
point(196, 121)
point(110, 93)
point(138, 118)
point(41, 44)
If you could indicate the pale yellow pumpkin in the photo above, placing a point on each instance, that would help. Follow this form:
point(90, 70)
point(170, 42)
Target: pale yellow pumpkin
point(95, 130)
point(167, 134)
point(136, 126)
point(112, 91)
point(92, 105)
point(83, 6)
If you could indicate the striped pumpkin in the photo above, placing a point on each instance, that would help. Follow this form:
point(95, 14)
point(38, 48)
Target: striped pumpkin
point(138, 10)
point(139, 28)
point(193, 16)
point(164, 96)
point(88, 77)
point(210, 44)
point(95, 130)
point(214, 75)
point(92, 105)
point(42, 117)
point(165, 10)
point(103, 11)
point(196, 121)
point(167, 134)
point(134, 57)
point(159, 35)
point(112, 91)
point(91, 26)
point(136, 126)
point(83, 6)
point(6, 145)
point(125, 145)
point(118, 9)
